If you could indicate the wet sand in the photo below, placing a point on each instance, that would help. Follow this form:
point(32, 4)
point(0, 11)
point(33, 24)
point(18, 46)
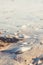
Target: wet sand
point(10, 58)
point(21, 59)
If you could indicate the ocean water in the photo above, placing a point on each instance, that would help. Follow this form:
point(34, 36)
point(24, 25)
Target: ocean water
point(15, 13)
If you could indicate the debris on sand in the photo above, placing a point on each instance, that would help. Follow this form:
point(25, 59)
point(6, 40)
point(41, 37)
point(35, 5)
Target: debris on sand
point(26, 47)
point(37, 60)
point(19, 49)
point(21, 36)
point(22, 49)
point(8, 38)
point(41, 57)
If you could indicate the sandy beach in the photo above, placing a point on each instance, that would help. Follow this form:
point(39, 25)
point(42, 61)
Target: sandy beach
point(21, 52)
point(21, 32)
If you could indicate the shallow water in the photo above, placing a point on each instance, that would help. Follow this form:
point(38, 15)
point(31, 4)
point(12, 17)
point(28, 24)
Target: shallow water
point(20, 12)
